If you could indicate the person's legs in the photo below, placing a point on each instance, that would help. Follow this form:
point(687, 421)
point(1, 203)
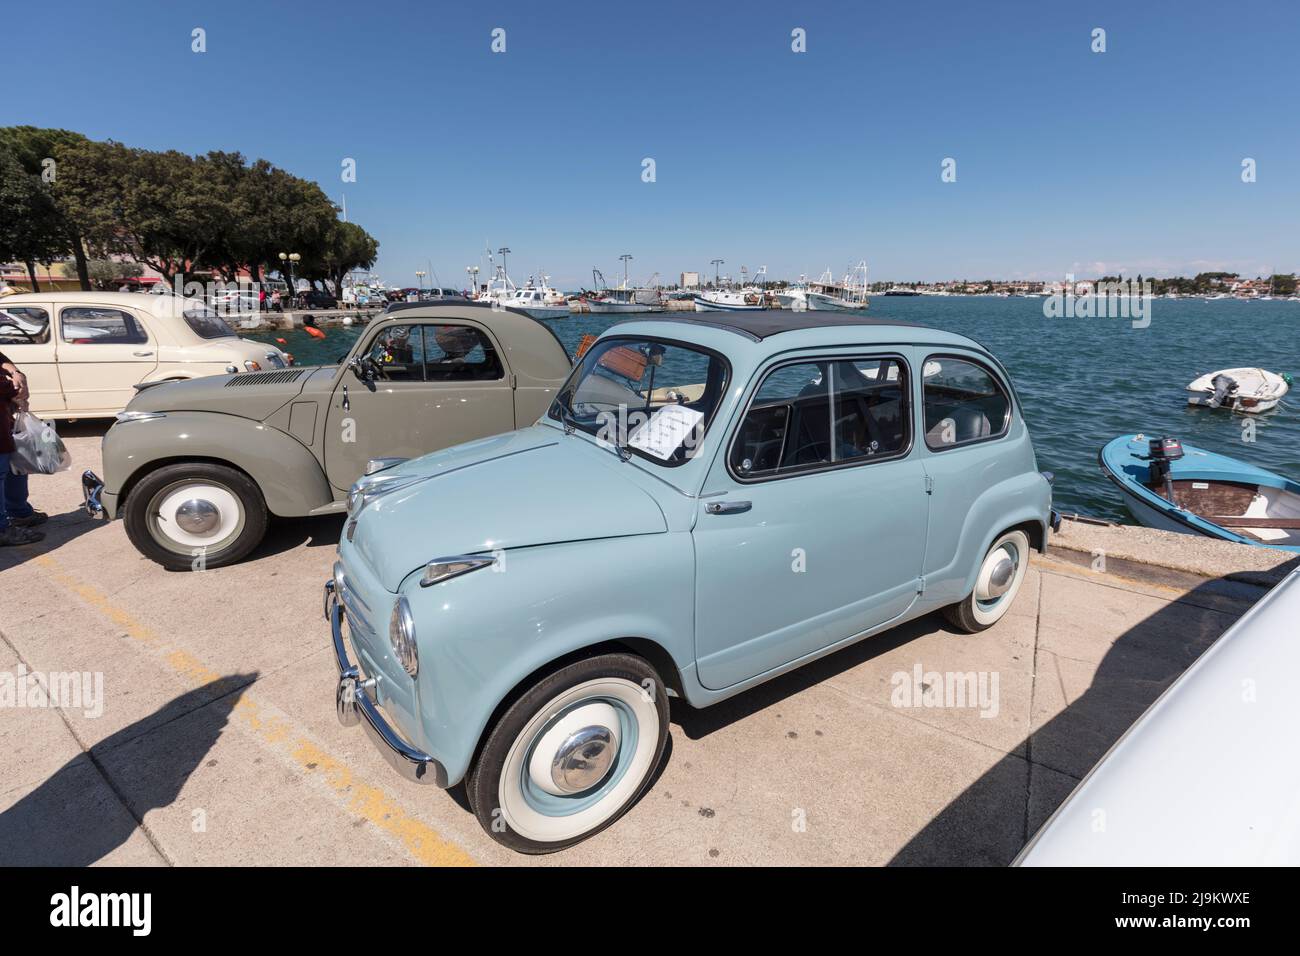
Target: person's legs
point(4, 510)
point(15, 496)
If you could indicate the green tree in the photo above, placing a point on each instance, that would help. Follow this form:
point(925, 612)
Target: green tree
point(31, 229)
point(44, 154)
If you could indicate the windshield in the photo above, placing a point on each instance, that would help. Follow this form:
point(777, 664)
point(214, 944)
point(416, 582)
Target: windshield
point(647, 397)
point(207, 324)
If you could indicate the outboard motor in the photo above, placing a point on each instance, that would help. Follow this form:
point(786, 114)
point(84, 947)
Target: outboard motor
point(1225, 386)
point(1165, 451)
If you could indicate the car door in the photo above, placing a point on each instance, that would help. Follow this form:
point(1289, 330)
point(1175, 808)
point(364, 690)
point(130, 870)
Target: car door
point(812, 525)
point(967, 415)
point(436, 384)
point(27, 338)
point(103, 353)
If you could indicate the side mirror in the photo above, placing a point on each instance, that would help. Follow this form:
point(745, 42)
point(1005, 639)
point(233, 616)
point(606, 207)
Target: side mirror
point(364, 370)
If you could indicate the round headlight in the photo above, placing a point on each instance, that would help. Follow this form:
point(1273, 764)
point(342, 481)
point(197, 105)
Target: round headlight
point(401, 634)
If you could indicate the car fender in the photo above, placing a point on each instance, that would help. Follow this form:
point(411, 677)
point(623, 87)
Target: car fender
point(1022, 499)
point(477, 650)
point(288, 474)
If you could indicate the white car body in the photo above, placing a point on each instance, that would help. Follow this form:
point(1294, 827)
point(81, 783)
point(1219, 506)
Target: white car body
point(1208, 776)
point(84, 353)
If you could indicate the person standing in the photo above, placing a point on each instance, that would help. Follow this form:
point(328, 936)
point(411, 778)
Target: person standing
point(17, 516)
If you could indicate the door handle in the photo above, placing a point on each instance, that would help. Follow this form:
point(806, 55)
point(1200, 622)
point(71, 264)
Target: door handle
point(727, 507)
point(142, 354)
point(347, 404)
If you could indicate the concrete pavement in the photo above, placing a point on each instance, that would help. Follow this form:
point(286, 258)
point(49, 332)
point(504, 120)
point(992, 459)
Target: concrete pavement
point(217, 742)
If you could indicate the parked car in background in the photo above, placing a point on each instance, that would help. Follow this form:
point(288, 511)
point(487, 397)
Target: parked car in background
point(1207, 776)
point(706, 504)
point(318, 299)
point(85, 353)
point(195, 469)
point(442, 293)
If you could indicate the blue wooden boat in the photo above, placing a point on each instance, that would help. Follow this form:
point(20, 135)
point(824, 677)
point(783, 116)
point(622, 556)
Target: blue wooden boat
point(1177, 487)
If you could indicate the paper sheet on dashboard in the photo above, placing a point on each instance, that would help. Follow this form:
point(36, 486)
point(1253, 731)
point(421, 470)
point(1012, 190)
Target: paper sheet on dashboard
point(664, 433)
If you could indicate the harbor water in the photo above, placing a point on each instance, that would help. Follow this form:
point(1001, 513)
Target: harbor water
point(1082, 381)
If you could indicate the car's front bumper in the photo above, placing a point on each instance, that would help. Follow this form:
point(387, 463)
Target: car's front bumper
point(354, 704)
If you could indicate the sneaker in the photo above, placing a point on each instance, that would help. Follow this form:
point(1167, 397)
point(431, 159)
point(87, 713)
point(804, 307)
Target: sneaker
point(14, 535)
point(35, 518)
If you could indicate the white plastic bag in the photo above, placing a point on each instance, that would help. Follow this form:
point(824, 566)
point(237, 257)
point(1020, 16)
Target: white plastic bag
point(38, 450)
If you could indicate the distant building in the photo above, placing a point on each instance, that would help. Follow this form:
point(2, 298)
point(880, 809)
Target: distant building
point(690, 280)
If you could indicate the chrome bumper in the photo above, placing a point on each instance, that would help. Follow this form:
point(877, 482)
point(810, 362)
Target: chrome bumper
point(353, 704)
point(91, 489)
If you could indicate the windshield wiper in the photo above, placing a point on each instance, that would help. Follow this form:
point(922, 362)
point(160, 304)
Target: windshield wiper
point(566, 416)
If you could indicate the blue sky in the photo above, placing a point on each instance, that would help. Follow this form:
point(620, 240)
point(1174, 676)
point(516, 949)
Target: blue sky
point(1066, 160)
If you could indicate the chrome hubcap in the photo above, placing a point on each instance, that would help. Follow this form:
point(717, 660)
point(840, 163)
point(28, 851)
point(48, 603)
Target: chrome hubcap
point(198, 516)
point(997, 575)
point(583, 760)
point(576, 753)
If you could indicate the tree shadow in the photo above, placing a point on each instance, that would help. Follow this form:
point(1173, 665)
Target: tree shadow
point(74, 819)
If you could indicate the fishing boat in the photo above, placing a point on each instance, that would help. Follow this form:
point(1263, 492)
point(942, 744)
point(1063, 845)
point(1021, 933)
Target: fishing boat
point(847, 295)
point(538, 299)
point(623, 298)
point(1240, 389)
point(794, 297)
point(1176, 487)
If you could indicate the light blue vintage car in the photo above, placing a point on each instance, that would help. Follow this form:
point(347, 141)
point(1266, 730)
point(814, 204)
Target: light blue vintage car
point(707, 504)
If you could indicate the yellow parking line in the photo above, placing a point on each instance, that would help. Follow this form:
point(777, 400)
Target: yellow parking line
point(276, 730)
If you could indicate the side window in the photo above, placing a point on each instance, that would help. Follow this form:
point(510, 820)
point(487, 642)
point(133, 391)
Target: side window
point(821, 414)
point(89, 326)
point(398, 354)
point(964, 403)
point(458, 353)
point(24, 325)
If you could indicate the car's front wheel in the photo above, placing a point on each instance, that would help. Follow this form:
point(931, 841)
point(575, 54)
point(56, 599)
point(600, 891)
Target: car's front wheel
point(571, 754)
point(1001, 573)
point(193, 516)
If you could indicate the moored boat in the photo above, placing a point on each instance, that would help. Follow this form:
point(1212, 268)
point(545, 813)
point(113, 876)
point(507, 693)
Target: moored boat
point(1240, 389)
point(847, 295)
point(1176, 487)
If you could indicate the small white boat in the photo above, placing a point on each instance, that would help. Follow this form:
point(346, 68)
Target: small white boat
point(539, 300)
point(730, 300)
point(1240, 389)
point(794, 297)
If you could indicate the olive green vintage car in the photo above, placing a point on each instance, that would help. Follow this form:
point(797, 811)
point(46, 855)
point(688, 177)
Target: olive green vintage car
point(196, 468)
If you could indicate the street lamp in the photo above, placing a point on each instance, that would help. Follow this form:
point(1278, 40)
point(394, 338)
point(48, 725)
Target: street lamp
point(419, 279)
point(472, 273)
point(715, 264)
point(625, 259)
point(503, 251)
point(292, 259)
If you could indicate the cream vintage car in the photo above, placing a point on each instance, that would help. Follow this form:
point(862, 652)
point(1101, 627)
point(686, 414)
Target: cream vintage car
point(84, 353)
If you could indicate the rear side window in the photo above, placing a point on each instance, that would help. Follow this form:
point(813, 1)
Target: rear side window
point(24, 325)
point(458, 353)
point(83, 326)
point(964, 403)
point(824, 414)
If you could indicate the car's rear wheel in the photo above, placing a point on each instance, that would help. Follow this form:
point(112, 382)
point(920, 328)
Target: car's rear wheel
point(195, 516)
point(571, 754)
point(1001, 573)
